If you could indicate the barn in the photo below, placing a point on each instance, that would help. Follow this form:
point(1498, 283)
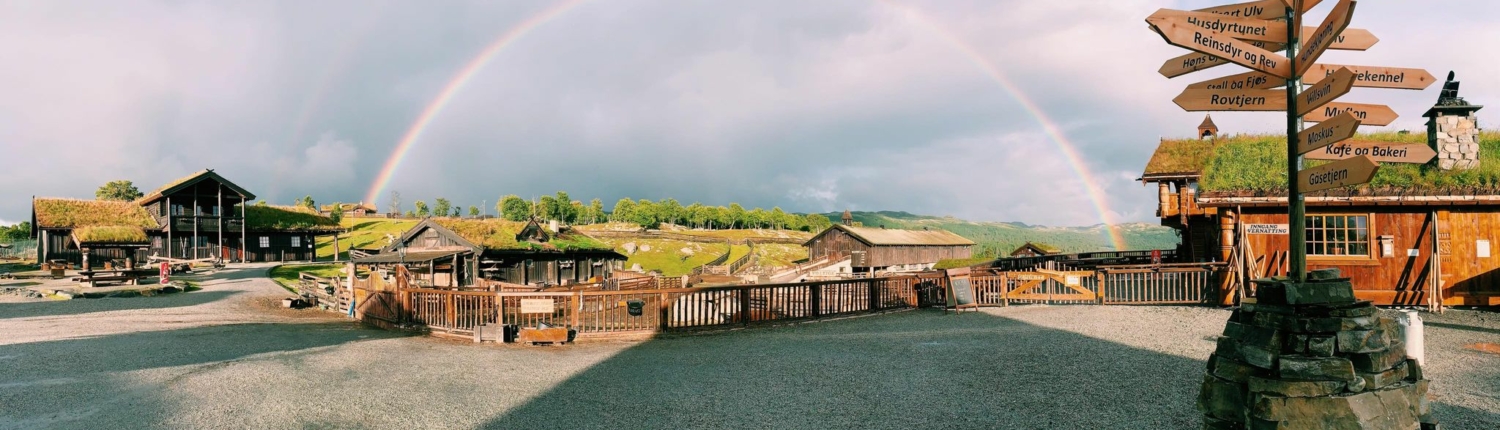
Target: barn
point(454, 252)
point(201, 215)
point(883, 249)
point(1416, 235)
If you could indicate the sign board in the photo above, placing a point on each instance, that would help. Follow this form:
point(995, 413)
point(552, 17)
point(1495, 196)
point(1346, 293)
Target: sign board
point(1352, 171)
point(1267, 229)
point(1178, 32)
point(1319, 40)
point(1327, 133)
point(1263, 9)
point(1238, 28)
point(1482, 248)
point(1231, 100)
point(537, 306)
point(1325, 91)
point(1411, 153)
point(1242, 81)
point(166, 272)
point(960, 291)
point(1374, 77)
point(1368, 114)
point(1156, 256)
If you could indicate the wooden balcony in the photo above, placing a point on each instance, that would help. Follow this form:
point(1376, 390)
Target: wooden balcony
point(206, 224)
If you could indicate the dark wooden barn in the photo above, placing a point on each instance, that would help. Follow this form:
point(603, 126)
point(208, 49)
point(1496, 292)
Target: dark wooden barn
point(201, 215)
point(881, 248)
point(452, 252)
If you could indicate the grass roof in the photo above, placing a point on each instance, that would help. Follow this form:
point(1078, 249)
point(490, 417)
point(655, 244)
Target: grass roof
point(499, 234)
point(72, 213)
point(1258, 162)
point(1044, 247)
point(110, 235)
point(287, 218)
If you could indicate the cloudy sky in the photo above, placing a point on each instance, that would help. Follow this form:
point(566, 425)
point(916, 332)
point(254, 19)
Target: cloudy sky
point(938, 108)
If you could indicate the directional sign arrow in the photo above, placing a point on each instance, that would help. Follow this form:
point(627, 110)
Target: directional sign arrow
point(1263, 9)
point(1242, 81)
point(1239, 28)
point(1327, 133)
point(1353, 171)
point(1178, 32)
point(1325, 91)
point(1368, 114)
point(1325, 35)
point(1231, 100)
point(1375, 77)
point(1195, 61)
point(1412, 153)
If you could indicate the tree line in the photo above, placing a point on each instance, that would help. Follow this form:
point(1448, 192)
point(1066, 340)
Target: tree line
point(650, 214)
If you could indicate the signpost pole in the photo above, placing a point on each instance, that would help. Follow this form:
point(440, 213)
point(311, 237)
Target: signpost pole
point(1296, 212)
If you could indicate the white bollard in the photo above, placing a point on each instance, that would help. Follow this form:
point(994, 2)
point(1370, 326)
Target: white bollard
point(1412, 323)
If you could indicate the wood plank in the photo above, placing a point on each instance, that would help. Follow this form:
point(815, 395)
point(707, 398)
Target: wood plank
point(1327, 133)
point(1238, 28)
point(1177, 32)
point(1381, 152)
point(1231, 100)
point(1325, 91)
point(1320, 39)
point(1374, 76)
point(1263, 9)
point(1352, 171)
point(1368, 114)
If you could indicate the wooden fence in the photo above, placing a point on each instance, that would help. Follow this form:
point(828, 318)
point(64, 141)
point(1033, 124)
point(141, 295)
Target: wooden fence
point(1191, 283)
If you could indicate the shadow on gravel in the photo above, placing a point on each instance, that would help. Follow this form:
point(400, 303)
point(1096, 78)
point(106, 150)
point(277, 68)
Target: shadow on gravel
point(918, 369)
point(1460, 327)
point(84, 306)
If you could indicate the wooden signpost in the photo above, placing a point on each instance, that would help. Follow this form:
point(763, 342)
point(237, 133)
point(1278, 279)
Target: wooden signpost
point(1244, 29)
point(1327, 133)
point(1263, 9)
point(1178, 32)
point(1381, 152)
point(1368, 114)
point(1231, 100)
point(1351, 171)
point(1318, 95)
point(1325, 35)
point(1242, 81)
point(1374, 77)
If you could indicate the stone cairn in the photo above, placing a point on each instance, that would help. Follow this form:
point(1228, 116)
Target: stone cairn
point(1309, 356)
point(1453, 129)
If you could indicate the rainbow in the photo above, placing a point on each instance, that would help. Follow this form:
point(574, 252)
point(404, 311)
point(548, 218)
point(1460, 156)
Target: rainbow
point(1049, 127)
point(457, 83)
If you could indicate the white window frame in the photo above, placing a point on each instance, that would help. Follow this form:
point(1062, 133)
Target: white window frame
point(296, 241)
point(265, 241)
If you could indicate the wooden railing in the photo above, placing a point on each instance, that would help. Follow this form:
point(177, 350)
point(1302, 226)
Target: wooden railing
point(1109, 285)
point(713, 265)
point(747, 259)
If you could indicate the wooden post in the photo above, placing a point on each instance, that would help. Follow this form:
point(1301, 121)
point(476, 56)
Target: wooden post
point(194, 241)
point(335, 247)
point(1099, 287)
point(744, 305)
point(663, 315)
point(452, 313)
point(1004, 289)
point(220, 215)
point(577, 299)
point(874, 294)
point(1296, 211)
point(244, 226)
point(815, 295)
point(171, 225)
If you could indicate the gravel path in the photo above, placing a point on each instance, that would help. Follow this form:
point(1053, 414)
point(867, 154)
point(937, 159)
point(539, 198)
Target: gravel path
point(222, 358)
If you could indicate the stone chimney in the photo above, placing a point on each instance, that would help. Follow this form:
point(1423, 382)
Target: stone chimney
point(1453, 129)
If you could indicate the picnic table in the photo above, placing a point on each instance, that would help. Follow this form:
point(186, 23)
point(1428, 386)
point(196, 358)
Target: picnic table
point(92, 278)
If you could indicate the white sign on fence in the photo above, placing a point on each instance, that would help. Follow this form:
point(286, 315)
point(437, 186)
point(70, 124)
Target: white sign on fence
point(1278, 229)
point(536, 306)
point(1074, 281)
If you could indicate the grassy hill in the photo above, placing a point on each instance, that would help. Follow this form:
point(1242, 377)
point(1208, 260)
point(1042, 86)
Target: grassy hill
point(1004, 237)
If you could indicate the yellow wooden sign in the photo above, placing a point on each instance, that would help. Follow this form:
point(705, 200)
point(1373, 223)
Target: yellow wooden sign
point(1195, 61)
point(1263, 9)
point(1327, 133)
point(1319, 40)
point(1352, 171)
point(1374, 77)
point(1239, 28)
point(1178, 32)
point(1380, 152)
point(1368, 114)
point(1231, 100)
point(1241, 81)
point(1325, 91)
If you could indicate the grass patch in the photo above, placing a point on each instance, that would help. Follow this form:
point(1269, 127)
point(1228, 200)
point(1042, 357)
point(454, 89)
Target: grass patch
point(71, 213)
point(954, 263)
point(779, 254)
point(296, 218)
point(288, 276)
point(1258, 162)
point(666, 255)
point(362, 233)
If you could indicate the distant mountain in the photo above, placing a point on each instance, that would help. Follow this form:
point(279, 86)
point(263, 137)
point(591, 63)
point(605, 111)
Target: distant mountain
point(1001, 238)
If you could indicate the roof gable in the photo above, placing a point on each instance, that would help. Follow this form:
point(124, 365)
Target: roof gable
point(429, 224)
point(875, 236)
point(182, 183)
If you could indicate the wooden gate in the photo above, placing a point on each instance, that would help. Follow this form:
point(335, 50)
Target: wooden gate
point(1051, 287)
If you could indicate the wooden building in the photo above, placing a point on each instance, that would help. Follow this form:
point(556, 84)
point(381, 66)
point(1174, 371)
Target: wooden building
point(880, 248)
point(1034, 249)
point(201, 215)
point(1222, 196)
point(360, 209)
point(452, 252)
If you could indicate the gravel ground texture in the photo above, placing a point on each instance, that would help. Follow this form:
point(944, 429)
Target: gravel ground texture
point(225, 357)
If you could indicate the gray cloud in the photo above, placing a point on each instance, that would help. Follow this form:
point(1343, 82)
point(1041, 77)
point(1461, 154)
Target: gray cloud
point(807, 106)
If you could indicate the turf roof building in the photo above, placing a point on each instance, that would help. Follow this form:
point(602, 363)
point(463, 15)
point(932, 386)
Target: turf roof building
point(880, 248)
point(201, 215)
point(1035, 249)
point(1227, 198)
point(453, 252)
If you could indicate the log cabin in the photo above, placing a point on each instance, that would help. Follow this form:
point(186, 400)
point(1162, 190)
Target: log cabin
point(454, 252)
point(1035, 249)
point(201, 215)
point(1226, 199)
point(883, 249)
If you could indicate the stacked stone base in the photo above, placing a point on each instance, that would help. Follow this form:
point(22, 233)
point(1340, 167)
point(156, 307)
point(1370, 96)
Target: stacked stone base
point(1308, 356)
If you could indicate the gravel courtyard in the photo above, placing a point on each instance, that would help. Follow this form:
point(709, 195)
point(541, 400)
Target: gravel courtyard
point(225, 357)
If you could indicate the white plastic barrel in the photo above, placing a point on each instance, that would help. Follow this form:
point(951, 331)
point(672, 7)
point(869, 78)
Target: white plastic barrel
point(1413, 327)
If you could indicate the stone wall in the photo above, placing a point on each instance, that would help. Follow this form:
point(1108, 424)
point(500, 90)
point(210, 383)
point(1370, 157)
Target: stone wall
point(1456, 139)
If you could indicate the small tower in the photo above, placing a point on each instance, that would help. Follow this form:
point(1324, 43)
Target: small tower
point(1207, 130)
point(848, 218)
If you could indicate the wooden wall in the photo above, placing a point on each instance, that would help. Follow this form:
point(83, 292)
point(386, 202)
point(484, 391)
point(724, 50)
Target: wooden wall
point(1400, 279)
point(839, 244)
point(548, 268)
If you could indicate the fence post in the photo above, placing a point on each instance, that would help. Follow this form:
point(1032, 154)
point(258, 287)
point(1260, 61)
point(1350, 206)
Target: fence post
point(745, 305)
point(1099, 286)
point(1004, 289)
point(815, 295)
point(663, 308)
point(577, 299)
point(874, 295)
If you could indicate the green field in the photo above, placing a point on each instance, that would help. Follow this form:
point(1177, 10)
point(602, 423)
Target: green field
point(666, 255)
point(287, 276)
point(363, 233)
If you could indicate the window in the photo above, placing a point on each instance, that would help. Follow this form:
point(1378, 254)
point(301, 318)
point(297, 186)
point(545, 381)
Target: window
point(265, 241)
point(1338, 235)
point(296, 241)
